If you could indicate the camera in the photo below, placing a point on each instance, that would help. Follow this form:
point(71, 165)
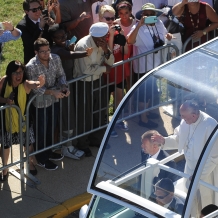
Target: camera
point(117, 27)
point(150, 19)
point(158, 44)
point(64, 92)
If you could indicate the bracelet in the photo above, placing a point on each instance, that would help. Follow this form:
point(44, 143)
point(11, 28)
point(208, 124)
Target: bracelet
point(12, 29)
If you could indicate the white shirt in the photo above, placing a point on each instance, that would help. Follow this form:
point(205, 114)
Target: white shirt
point(144, 43)
point(155, 155)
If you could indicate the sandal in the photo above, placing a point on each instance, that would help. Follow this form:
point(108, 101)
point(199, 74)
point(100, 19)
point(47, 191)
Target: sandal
point(4, 178)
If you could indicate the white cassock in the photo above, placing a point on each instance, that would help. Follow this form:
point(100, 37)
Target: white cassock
point(191, 139)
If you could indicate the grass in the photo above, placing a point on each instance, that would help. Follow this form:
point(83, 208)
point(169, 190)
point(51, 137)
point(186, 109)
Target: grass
point(11, 10)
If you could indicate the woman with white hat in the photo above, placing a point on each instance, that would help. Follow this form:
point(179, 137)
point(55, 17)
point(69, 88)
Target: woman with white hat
point(145, 37)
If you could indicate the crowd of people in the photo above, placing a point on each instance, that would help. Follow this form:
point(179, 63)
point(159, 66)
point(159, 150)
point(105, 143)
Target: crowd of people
point(120, 31)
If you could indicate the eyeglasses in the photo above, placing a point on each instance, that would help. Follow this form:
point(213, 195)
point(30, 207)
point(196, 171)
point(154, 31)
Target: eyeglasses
point(109, 18)
point(61, 37)
point(17, 73)
point(45, 52)
point(34, 10)
point(162, 197)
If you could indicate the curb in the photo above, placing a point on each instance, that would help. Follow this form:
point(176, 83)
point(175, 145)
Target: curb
point(66, 207)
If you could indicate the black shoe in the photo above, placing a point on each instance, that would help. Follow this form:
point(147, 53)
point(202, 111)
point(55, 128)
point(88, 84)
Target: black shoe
point(55, 156)
point(87, 152)
point(153, 116)
point(48, 165)
point(4, 178)
point(33, 172)
point(149, 124)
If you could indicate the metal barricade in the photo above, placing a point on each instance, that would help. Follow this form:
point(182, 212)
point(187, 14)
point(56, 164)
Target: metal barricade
point(191, 43)
point(85, 111)
point(13, 155)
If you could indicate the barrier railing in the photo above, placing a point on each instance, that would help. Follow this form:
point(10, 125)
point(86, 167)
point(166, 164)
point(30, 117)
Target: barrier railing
point(74, 121)
point(192, 43)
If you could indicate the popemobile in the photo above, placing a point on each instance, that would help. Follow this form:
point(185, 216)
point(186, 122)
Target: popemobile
point(130, 178)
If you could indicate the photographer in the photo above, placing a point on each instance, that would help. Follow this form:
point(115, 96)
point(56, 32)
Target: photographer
point(117, 44)
point(145, 36)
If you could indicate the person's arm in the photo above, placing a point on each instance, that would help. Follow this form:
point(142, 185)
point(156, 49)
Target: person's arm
point(2, 99)
point(31, 73)
point(66, 55)
point(170, 142)
point(179, 8)
point(213, 17)
point(111, 37)
point(14, 31)
point(55, 6)
point(30, 84)
point(72, 24)
point(131, 38)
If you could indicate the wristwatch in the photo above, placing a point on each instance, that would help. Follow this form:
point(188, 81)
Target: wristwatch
point(204, 32)
point(107, 55)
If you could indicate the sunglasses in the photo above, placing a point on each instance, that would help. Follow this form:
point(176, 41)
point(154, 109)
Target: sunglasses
point(109, 18)
point(162, 197)
point(17, 73)
point(34, 10)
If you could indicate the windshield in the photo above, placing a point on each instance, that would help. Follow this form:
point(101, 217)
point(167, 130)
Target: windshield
point(178, 105)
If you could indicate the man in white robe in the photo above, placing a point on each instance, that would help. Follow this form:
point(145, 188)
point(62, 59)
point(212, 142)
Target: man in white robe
point(190, 136)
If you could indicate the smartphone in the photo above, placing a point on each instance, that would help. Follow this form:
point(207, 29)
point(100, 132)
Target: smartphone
point(150, 19)
point(73, 40)
point(45, 12)
point(192, 0)
point(1, 26)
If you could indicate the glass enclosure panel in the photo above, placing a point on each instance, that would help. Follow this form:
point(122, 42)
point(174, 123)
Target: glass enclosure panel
point(131, 165)
point(212, 46)
point(103, 208)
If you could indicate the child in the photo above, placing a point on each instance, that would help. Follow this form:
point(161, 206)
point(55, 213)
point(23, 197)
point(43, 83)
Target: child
point(124, 9)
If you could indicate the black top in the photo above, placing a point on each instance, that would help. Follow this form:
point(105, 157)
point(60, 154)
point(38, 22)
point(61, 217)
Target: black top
point(31, 32)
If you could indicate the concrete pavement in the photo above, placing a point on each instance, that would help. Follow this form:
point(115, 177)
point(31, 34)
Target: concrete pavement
point(54, 197)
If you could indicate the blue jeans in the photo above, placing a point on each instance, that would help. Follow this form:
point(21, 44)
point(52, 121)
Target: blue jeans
point(45, 131)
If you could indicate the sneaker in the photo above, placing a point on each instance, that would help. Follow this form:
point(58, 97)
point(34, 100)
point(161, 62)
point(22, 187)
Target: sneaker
point(72, 152)
point(56, 156)
point(148, 125)
point(48, 165)
point(114, 134)
point(123, 126)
